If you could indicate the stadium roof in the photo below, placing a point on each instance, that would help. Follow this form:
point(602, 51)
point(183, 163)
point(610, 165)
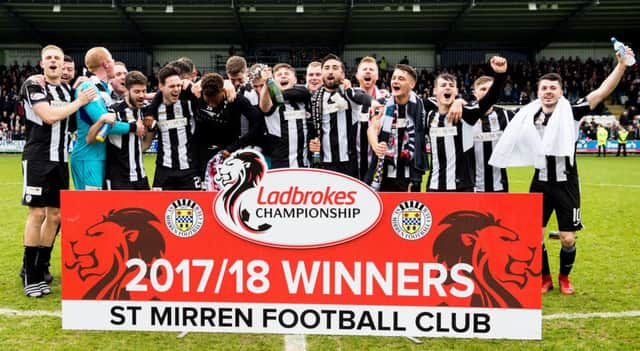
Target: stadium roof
point(257, 23)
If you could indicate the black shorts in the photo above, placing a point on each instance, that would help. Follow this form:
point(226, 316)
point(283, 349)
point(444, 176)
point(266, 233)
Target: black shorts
point(125, 184)
point(170, 179)
point(349, 168)
point(564, 198)
point(43, 181)
point(398, 185)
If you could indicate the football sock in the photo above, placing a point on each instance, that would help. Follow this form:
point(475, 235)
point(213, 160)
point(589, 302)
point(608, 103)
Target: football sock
point(567, 257)
point(545, 261)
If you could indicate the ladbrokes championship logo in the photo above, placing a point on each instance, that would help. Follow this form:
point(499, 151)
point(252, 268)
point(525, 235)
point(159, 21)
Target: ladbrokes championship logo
point(295, 208)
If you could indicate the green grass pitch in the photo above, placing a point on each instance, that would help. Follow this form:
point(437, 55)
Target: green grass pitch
point(605, 276)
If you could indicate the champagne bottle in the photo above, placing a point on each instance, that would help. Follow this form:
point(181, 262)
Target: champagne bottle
point(316, 161)
point(275, 92)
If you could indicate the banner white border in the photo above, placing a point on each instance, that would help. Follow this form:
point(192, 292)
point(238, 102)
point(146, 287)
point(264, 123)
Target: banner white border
point(503, 323)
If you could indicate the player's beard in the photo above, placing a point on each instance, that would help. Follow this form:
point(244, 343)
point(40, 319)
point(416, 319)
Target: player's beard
point(132, 102)
point(332, 85)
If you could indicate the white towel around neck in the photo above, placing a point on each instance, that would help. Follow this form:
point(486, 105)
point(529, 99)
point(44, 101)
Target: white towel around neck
point(521, 144)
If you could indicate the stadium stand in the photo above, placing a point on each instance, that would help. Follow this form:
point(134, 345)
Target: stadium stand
point(580, 76)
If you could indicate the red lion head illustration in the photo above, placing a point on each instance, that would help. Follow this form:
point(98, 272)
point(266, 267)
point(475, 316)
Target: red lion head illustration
point(240, 172)
point(104, 249)
point(498, 264)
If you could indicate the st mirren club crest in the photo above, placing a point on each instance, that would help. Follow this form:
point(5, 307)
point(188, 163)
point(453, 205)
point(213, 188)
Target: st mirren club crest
point(184, 218)
point(411, 220)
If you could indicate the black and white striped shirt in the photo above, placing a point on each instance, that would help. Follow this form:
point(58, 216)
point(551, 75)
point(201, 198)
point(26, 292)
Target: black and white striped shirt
point(46, 142)
point(124, 151)
point(452, 162)
point(403, 137)
point(175, 129)
point(365, 153)
point(106, 93)
point(487, 132)
point(251, 95)
point(559, 168)
point(338, 124)
point(287, 135)
point(452, 156)
point(362, 143)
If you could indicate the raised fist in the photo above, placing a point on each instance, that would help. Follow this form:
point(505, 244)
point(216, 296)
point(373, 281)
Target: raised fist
point(499, 64)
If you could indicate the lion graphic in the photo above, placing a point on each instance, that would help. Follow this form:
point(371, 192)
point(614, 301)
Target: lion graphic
point(106, 246)
point(474, 238)
point(240, 172)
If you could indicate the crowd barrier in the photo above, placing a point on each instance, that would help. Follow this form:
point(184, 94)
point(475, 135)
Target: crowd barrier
point(583, 146)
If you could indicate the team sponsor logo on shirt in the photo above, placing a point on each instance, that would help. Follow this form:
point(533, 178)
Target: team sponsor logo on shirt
point(37, 96)
point(293, 115)
point(172, 124)
point(487, 136)
point(443, 131)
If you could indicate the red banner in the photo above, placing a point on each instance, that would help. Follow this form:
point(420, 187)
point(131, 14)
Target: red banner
point(419, 264)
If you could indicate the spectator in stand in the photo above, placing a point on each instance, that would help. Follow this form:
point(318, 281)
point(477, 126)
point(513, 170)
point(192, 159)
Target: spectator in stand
point(383, 66)
point(4, 102)
point(581, 76)
point(586, 129)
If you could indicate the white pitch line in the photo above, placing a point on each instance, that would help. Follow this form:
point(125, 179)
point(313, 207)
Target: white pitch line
point(296, 342)
point(622, 314)
point(613, 185)
point(591, 184)
point(29, 313)
point(291, 342)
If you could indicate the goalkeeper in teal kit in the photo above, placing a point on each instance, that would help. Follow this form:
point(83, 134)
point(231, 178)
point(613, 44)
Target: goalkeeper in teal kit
point(88, 157)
